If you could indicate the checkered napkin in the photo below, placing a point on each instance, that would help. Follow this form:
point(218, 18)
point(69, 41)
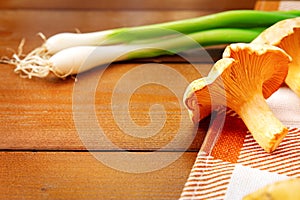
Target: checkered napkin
point(231, 164)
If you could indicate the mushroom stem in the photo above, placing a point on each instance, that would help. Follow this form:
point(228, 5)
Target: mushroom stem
point(266, 129)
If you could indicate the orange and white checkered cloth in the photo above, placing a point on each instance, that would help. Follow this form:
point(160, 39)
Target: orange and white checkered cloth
point(231, 164)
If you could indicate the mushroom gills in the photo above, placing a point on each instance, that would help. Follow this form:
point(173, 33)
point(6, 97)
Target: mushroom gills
point(285, 34)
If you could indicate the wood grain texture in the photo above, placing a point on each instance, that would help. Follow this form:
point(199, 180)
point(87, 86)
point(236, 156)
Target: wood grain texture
point(42, 154)
point(130, 4)
point(38, 113)
point(78, 175)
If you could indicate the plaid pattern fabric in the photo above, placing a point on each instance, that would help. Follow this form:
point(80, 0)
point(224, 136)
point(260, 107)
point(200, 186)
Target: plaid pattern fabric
point(232, 164)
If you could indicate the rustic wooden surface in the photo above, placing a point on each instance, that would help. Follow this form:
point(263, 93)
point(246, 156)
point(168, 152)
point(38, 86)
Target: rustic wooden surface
point(42, 155)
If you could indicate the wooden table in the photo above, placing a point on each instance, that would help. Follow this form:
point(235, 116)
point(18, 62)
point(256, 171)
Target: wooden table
point(42, 154)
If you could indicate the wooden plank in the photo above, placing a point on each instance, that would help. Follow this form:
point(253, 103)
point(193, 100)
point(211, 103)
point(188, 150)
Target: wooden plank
point(129, 4)
point(70, 175)
point(38, 113)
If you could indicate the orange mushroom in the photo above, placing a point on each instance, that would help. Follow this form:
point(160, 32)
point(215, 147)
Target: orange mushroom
point(285, 34)
point(245, 76)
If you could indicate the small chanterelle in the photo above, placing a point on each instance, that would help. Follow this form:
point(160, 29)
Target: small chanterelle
point(285, 189)
point(242, 80)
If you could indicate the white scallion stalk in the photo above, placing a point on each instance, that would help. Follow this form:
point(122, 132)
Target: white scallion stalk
point(74, 60)
point(61, 41)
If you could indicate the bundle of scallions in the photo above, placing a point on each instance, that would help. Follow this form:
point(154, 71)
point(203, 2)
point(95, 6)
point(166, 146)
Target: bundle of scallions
point(67, 54)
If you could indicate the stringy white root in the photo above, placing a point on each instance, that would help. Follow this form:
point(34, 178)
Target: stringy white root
point(34, 64)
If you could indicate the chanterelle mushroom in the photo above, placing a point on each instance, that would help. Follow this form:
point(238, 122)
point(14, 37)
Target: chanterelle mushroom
point(286, 35)
point(245, 76)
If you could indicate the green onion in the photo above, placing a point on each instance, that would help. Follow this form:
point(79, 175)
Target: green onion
point(63, 54)
point(226, 19)
point(78, 59)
